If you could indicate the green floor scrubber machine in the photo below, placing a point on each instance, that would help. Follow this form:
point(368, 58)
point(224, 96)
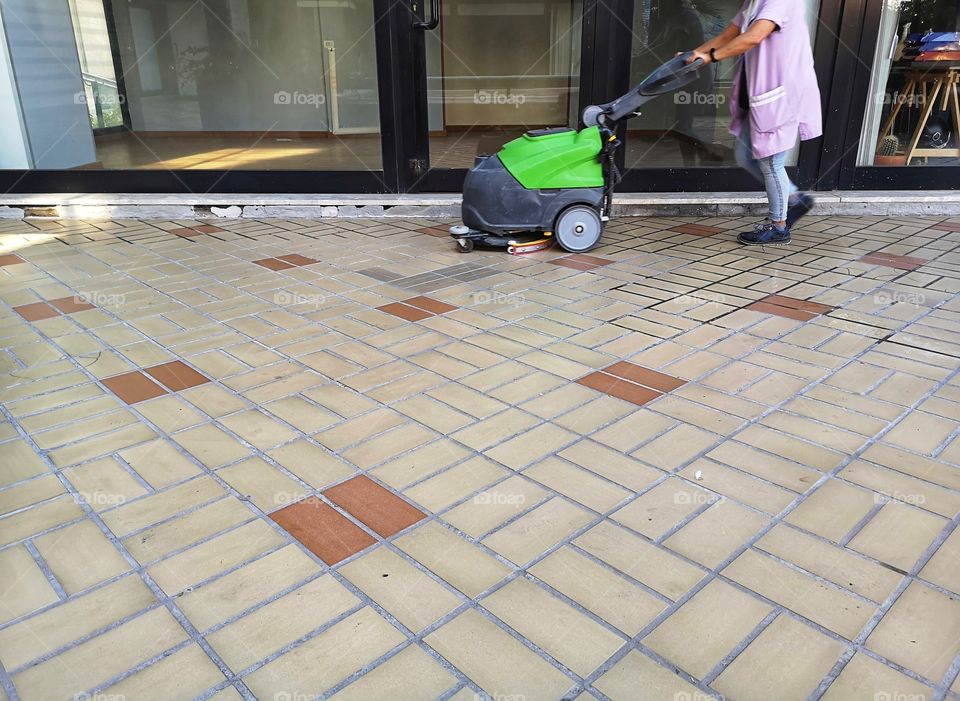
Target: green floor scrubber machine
point(557, 184)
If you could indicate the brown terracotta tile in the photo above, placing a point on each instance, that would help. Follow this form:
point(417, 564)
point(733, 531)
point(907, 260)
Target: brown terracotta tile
point(643, 376)
point(567, 263)
point(430, 305)
point(405, 312)
point(297, 259)
point(133, 387)
point(697, 230)
point(370, 503)
point(208, 229)
point(619, 388)
point(793, 303)
point(176, 376)
point(274, 264)
point(797, 314)
point(324, 532)
point(10, 259)
point(892, 261)
point(70, 305)
point(186, 233)
point(591, 260)
point(36, 311)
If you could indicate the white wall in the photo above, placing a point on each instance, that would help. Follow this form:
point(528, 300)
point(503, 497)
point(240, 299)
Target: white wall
point(43, 51)
point(15, 154)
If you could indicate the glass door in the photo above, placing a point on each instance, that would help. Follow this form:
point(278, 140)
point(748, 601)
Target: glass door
point(495, 70)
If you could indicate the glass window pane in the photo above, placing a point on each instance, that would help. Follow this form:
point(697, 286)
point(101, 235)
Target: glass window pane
point(690, 127)
point(498, 69)
point(913, 114)
point(219, 84)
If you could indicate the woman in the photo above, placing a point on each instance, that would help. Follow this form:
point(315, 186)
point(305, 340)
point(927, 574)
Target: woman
point(776, 100)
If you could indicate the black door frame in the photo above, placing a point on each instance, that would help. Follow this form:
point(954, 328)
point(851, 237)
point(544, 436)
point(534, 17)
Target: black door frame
point(597, 51)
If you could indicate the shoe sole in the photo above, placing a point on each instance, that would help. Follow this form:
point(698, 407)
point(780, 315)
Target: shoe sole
point(783, 242)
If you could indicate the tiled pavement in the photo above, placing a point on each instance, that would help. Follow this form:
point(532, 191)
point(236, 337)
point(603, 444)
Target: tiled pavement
point(297, 459)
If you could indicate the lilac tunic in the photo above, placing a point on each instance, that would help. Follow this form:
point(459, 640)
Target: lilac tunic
point(781, 81)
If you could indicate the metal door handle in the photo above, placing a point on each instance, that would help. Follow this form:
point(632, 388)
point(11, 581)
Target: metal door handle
point(434, 19)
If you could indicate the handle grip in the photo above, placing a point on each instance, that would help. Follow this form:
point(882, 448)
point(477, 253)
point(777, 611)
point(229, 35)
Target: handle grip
point(434, 20)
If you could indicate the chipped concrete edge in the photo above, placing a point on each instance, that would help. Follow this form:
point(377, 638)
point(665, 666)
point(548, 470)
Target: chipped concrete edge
point(445, 206)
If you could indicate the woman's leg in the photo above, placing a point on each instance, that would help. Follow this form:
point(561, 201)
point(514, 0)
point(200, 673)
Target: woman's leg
point(745, 159)
point(779, 187)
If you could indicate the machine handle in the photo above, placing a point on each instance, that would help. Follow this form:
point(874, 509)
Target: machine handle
point(434, 19)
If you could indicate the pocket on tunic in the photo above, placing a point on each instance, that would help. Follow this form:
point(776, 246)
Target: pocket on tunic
point(769, 111)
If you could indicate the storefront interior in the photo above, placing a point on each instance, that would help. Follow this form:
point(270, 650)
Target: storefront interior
point(350, 86)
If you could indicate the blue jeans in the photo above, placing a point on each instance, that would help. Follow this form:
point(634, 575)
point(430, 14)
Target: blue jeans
point(772, 172)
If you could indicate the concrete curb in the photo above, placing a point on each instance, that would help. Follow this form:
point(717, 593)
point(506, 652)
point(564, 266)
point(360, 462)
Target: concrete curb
point(446, 206)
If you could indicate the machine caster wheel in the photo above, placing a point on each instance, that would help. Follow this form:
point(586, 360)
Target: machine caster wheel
point(578, 228)
point(464, 245)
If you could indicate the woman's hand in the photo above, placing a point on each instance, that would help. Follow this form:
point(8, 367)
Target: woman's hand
point(697, 54)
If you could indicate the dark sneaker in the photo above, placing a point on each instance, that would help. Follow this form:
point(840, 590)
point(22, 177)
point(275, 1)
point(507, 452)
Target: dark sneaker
point(765, 234)
point(799, 210)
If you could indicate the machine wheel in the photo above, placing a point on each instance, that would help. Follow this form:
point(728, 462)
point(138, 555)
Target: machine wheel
point(464, 245)
point(578, 228)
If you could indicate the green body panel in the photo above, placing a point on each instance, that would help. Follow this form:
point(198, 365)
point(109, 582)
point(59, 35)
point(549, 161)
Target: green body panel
point(555, 161)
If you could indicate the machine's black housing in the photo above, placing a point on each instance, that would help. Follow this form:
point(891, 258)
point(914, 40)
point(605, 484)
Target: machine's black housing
point(495, 202)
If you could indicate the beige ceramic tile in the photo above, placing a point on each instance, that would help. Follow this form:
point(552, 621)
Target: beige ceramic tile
point(186, 673)
point(404, 591)
point(539, 530)
point(494, 505)
point(164, 538)
point(718, 617)
point(346, 647)
point(656, 568)
point(101, 658)
point(311, 463)
point(864, 677)
point(613, 598)
point(579, 485)
point(921, 631)
point(786, 661)
point(501, 665)
point(834, 564)
point(422, 677)
point(898, 535)
point(450, 486)
point(243, 588)
point(451, 557)
point(264, 485)
point(227, 550)
point(715, 534)
point(637, 676)
point(270, 628)
point(80, 556)
point(56, 627)
point(567, 635)
point(833, 608)
point(24, 586)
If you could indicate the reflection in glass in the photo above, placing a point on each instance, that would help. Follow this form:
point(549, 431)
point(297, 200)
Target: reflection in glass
point(496, 70)
point(260, 84)
point(913, 114)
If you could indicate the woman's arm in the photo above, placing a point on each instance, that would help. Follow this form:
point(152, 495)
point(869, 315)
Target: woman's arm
point(732, 43)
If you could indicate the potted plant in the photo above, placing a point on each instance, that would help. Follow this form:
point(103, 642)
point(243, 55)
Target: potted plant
point(888, 153)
